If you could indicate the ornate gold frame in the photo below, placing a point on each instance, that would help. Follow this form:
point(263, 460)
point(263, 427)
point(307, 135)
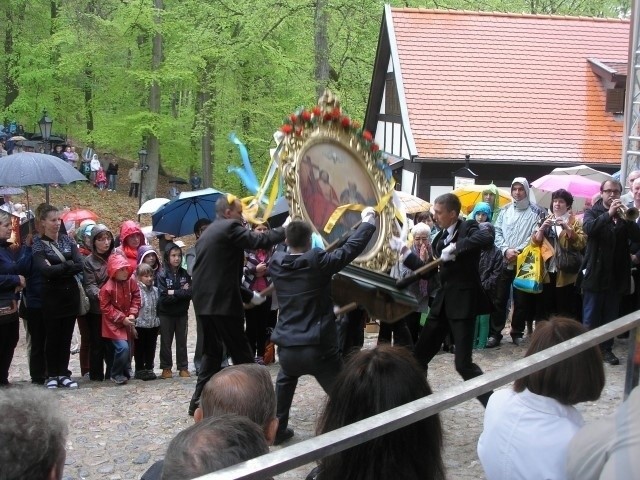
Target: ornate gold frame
point(325, 124)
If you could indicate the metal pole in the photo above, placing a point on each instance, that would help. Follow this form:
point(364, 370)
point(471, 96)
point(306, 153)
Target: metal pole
point(630, 144)
point(140, 190)
point(631, 375)
point(299, 454)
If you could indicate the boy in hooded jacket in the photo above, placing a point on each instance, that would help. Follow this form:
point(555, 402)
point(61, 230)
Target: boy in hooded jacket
point(120, 304)
point(174, 288)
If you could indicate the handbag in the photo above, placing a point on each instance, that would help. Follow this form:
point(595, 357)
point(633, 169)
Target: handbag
point(568, 260)
point(85, 305)
point(8, 307)
point(83, 300)
point(529, 270)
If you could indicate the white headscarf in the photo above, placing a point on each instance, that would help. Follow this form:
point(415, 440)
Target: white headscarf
point(524, 203)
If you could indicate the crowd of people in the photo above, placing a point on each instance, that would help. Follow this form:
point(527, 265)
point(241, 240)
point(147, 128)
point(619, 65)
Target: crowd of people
point(135, 294)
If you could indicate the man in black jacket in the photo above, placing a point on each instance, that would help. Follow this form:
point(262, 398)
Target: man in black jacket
point(306, 331)
point(607, 263)
point(461, 297)
point(217, 296)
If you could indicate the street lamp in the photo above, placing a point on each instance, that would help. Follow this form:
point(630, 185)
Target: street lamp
point(142, 162)
point(45, 124)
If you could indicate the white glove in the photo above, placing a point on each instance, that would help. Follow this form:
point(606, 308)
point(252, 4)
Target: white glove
point(396, 244)
point(368, 215)
point(286, 222)
point(448, 253)
point(257, 299)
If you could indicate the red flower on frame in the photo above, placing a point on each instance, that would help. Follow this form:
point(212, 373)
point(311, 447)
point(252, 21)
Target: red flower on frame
point(346, 121)
point(305, 115)
point(317, 111)
point(366, 134)
point(293, 117)
point(286, 129)
point(374, 147)
point(327, 117)
point(335, 113)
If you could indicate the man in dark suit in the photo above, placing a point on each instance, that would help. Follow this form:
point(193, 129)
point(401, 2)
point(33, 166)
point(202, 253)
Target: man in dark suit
point(306, 332)
point(460, 298)
point(217, 297)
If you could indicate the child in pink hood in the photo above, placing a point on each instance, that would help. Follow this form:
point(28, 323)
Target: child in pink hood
point(101, 179)
point(120, 304)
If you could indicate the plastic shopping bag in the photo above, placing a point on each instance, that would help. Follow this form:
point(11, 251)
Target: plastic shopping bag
point(529, 270)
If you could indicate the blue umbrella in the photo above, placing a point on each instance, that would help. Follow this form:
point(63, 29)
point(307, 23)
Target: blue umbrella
point(179, 215)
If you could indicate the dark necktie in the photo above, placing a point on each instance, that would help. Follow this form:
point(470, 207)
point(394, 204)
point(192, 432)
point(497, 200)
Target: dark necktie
point(440, 245)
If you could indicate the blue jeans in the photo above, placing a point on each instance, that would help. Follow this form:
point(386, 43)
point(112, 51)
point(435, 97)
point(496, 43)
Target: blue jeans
point(112, 182)
point(600, 308)
point(120, 363)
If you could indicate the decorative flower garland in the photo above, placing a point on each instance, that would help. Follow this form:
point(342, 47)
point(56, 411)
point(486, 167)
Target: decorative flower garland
point(297, 122)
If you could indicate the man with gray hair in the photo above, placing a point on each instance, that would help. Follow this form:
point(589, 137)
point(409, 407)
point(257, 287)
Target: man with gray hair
point(628, 196)
point(243, 390)
point(32, 436)
point(213, 444)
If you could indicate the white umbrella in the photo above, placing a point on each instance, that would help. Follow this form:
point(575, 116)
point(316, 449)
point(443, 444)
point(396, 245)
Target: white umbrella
point(411, 203)
point(153, 205)
point(583, 171)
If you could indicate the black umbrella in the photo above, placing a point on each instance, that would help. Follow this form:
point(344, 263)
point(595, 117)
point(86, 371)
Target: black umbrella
point(178, 181)
point(52, 138)
point(29, 168)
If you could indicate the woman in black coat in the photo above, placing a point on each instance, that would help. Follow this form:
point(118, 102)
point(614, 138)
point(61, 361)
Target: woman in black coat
point(56, 256)
point(10, 284)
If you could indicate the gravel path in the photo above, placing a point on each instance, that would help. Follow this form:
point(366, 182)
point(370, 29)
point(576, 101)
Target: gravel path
point(118, 432)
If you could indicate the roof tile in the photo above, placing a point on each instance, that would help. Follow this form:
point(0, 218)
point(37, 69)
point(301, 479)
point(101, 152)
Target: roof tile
point(509, 87)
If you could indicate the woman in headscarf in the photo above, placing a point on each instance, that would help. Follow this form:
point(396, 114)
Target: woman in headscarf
point(491, 196)
point(482, 212)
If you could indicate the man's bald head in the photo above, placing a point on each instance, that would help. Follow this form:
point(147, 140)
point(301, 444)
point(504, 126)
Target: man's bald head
point(244, 389)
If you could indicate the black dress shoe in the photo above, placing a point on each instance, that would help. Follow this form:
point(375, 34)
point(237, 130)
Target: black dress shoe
point(609, 357)
point(492, 342)
point(283, 435)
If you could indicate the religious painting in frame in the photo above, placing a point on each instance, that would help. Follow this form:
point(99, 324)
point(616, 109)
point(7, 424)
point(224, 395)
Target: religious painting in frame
point(332, 169)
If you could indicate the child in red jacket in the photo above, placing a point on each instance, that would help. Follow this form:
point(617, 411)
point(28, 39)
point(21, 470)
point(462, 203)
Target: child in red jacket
point(120, 304)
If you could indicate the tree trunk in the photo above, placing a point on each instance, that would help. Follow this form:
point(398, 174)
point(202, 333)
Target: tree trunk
point(206, 112)
point(88, 96)
point(321, 46)
point(150, 183)
point(11, 87)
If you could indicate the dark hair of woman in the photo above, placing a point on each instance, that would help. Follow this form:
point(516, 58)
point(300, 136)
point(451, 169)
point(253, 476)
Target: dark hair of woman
point(374, 381)
point(579, 378)
point(564, 195)
point(423, 217)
